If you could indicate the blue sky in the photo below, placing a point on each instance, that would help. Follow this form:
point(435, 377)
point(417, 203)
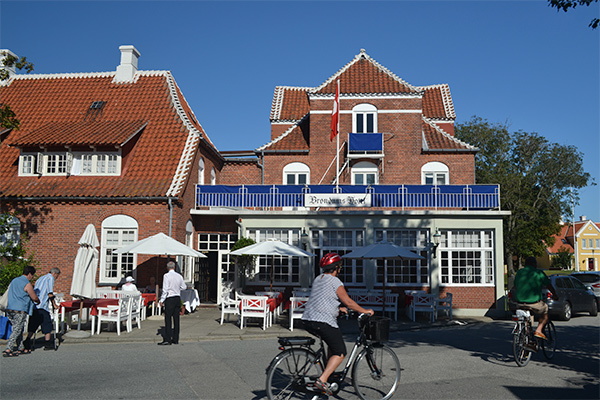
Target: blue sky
point(519, 62)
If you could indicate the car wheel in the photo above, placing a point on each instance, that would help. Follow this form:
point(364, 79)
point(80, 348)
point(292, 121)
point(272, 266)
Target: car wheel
point(567, 311)
point(594, 310)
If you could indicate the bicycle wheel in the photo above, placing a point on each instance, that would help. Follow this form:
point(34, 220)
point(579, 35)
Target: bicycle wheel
point(520, 340)
point(376, 372)
point(549, 346)
point(289, 372)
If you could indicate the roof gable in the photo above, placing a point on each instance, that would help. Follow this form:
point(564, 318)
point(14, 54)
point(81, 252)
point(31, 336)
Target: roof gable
point(435, 139)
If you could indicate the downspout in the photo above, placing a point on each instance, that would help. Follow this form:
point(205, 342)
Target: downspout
point(262, 167)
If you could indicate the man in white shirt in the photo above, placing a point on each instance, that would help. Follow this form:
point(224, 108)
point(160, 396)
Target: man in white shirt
point(173, 284)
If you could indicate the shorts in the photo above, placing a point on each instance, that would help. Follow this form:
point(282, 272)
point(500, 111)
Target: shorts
point(539, 308)
point(330, 335)
point(40, 317)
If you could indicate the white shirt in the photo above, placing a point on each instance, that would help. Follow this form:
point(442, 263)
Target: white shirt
point(173, 284)
point(129, 287)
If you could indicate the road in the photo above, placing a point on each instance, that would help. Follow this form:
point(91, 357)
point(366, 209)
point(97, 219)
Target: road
point(457, 362)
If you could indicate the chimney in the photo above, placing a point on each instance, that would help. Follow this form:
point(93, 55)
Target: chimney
point(12, 70)
point(582, 218)
point(128, 67)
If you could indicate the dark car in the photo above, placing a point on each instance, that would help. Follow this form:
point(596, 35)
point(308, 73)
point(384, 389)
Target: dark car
point(591, 279)
point(573, 297)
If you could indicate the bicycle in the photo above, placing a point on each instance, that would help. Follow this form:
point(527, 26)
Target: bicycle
point(524, 341)
point(375, 368)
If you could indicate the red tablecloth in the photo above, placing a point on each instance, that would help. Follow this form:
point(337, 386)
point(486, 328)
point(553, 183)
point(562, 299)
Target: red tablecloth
point(92, 304)
point(148, 298)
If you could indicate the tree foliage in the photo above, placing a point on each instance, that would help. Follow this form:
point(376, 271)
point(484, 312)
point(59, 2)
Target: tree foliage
point(8, 118)
point(565, 5)
point(562, 260)
point(13, 255)
point(538, 181)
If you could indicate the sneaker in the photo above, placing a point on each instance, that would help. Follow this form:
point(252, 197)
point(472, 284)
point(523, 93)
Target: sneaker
point(324, 387)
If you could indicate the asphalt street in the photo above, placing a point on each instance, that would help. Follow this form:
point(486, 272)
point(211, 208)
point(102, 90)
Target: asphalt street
point(450, 361)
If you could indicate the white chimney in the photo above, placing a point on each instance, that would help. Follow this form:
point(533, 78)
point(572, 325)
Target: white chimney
point(128, 67)
point(582, 218)
point(12, 70)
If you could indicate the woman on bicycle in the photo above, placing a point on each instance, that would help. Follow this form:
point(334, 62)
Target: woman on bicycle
point(321, 312)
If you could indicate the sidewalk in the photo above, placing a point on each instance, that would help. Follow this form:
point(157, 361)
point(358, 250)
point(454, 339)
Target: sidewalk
point(204, 324)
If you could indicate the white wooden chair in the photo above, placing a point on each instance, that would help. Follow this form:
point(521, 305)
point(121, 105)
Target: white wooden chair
point(423, 303)
point(444, 304)
point(297, 306)
point(255, 307)
point(135, 311)
point(115, 314)
point(229, 306)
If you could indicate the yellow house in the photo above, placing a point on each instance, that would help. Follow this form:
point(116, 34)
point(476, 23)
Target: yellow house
point(587, 245)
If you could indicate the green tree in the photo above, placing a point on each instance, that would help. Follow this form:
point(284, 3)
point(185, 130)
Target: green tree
point(244, 262)
point(538, 180)
point(562, 260)
point(565, 5)
point(13, 255)
point(8, 118)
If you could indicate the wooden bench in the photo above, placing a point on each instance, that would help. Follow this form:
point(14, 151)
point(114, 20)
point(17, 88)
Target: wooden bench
point(374, 299)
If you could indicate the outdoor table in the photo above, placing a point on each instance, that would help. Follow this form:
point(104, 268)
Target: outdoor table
point(190, 299)
point(274, 301)
point(89, 304)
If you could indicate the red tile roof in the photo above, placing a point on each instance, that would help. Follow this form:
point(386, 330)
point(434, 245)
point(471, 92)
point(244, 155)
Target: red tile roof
point(435, 139)
point(561, 241)
point(52, 110)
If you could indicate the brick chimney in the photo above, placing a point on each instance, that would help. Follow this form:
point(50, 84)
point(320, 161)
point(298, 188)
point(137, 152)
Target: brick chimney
point(128, 67)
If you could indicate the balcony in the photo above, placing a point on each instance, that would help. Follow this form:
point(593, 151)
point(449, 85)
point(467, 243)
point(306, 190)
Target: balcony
point(386, 197)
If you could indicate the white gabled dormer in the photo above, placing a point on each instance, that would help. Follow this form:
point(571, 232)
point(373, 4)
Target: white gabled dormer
point(129, 64)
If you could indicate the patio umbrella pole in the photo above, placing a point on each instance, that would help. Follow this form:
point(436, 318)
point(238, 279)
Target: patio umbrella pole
point(272, 266)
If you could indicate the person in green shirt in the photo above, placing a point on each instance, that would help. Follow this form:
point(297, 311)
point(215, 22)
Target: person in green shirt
point(527, 292)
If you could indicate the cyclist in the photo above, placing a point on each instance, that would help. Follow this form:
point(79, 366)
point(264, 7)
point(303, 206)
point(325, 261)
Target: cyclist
point(321, 311)
point(527, 292)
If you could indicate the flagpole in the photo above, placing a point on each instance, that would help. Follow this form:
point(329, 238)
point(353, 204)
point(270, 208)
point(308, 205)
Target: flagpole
point(337, 147)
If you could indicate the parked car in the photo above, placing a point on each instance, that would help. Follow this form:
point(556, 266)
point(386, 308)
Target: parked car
point(591, 279)
point(573, 297)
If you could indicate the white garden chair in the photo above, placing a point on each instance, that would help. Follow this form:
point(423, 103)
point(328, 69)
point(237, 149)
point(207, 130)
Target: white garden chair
point(229, 306)
point(255, 307)
point(117, 314)
point(423, 303)
point(297, 306)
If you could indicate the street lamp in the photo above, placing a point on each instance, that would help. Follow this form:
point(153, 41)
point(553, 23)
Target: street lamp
point(436, 242)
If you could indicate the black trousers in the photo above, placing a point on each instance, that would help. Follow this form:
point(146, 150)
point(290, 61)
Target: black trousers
point(172, 308)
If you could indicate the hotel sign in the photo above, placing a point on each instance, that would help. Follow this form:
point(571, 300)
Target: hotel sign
point(337, 200)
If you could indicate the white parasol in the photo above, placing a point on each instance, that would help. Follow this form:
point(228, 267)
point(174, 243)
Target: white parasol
point(272, 247)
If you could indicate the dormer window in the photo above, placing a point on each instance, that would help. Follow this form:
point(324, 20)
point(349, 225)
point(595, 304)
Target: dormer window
point(70, 163)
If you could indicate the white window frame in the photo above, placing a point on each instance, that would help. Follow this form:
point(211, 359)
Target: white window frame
point(341, 241)
point(364, 110)
point(296, 170)
point(286, 270)
point(364, 169)
point(462, 253)
point(90, 163)
point(55, 163)
point(127, 230)
point(405, 272)
point(28, 164)
point(436, 171)
point(201, 171)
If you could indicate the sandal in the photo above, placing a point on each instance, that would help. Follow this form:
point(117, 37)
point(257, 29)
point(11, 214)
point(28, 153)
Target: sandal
point(540, 335)
point(324, 387)
point(24, 351)
point(8, 353)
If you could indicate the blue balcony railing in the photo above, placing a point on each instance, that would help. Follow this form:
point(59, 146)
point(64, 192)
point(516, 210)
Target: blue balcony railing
point(463, 197)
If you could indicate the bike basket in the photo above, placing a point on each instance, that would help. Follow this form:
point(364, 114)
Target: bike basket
point(378, 329)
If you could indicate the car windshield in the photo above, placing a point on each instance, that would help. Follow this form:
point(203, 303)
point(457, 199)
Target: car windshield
point(587, 278)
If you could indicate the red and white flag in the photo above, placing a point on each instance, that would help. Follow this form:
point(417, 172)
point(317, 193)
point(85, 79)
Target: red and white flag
point(335, 114)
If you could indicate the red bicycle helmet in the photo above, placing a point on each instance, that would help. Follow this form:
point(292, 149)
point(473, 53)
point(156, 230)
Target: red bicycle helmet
point(329, 259)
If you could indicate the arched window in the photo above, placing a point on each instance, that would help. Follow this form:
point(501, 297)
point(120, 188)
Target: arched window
point(435, 173)
point(201, 171)
point(213, 177)
point(364, 118)
point(365, 173)
point(296, 173)
point(117, 231)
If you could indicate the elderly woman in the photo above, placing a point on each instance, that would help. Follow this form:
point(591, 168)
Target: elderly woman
point(21, 298)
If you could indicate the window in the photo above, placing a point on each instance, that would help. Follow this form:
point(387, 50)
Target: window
point(341, 241)
point(28, 164)
point(96, 163)
point(296, 174)
point(364, 118)
point(282, 269)
point(63, 163)
point(56, 163)
point(598, 243)
point(117, 231)
point(201, 171)
point(467, 257)
point(12, 236)
point(408, 271)
point(434, 173)
point(365, 173)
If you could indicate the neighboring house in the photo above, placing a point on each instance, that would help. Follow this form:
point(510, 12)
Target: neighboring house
point(403, 177)
point(584, 245)
point(118, 150)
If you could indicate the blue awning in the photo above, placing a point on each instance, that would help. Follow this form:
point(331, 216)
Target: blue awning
point(366, 142)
